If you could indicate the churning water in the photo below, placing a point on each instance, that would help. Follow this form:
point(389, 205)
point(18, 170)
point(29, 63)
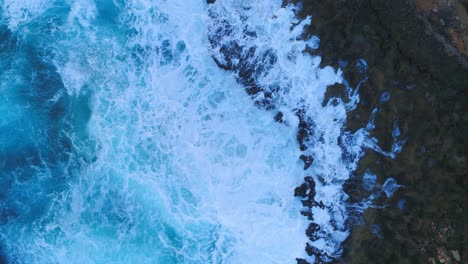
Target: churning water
point(122, 140)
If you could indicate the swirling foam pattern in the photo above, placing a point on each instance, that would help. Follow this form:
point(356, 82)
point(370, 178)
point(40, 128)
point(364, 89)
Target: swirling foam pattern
point(122, 141)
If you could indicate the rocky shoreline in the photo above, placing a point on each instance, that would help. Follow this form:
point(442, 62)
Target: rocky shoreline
point(241, 62)
point(245, 65)
point(416, 53)
point(417, 76)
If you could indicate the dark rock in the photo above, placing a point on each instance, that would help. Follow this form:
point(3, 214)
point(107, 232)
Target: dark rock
point(221, 65)
point(312, 230)
point(279, 117)
point(210, 1)
point(312, 251)
point(308, 214)
point(307, 161)
point(321, 205)
point(311, 186)
point(336, 90)
point(311, 194)
point(389, 35)
point(307, 203)
point(320, 256)
point(426, 83)
point(309, 180)
point(303, 133)
point(301, 191)
point(321, 179)
point(301, 261)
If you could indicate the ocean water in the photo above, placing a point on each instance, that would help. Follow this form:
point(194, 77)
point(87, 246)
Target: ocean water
point(122, 141)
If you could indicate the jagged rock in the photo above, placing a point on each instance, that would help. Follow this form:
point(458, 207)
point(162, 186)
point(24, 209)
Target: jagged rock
point(312, 251)
point(279, 117)
point(307, 161)
point(307, 203)
point(312, 229)
point(301, 191)
point(320, 204)
point(303, 133)
point(311, 184)
point(309, 180)
point(308, 214)
point(311, 194)
point(303, 136)
point(301, 261)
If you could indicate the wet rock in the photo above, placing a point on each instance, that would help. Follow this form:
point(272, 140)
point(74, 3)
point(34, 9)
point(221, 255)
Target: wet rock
point(303, 135)
point(307, 203)
point(318, 204)
point(301, 191)
point(304, 130)
point(312, 251)
point(308, 214)
point(311, 194)
point(307, 161)
point(279, 117)
point(247, 79)
point(407, 59)
point(311, 184)
point(396, 46)
point(336, 90)
point(320, 256)
point(309, 180)
point(312, 230)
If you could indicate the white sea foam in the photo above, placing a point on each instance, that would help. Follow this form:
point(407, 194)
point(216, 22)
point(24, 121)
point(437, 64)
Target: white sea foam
point(179, 127)
point(299, 83)
point(186, 169)
point(18, 13)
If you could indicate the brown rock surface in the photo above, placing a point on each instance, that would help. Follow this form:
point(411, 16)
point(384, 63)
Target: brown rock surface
point(448, 21)
point(424, 70)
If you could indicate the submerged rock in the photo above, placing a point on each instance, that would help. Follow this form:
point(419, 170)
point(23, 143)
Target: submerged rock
point(279, 117)
point(301, 261)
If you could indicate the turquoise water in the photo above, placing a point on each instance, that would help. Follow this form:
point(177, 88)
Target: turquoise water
point(121, 141)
